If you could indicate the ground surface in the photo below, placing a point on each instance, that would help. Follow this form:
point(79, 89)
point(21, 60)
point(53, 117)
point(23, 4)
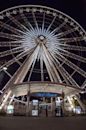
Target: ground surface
point(43, 123)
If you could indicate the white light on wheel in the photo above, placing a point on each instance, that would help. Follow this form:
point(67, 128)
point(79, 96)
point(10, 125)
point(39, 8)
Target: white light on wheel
point(4, 68)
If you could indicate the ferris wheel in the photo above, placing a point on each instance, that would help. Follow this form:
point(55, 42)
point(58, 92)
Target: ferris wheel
point(43, 44)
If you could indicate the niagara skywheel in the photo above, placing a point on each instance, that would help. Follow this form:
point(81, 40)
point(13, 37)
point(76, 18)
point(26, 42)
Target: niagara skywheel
point(40, 44)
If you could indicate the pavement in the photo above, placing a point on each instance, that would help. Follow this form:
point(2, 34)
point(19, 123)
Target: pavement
point(43, 123)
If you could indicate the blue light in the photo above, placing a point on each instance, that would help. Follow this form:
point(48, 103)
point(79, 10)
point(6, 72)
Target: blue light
point(42, 94)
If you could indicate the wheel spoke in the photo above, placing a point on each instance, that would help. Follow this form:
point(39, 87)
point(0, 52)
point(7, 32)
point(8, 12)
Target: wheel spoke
point(26, 21)
point(68, 78)
point(70, 40)
point(72, 65)
point(57, 64)
point(11, 29)
point(66, 32)
point(12, 51)
point(15, 59)
point(59, 27)
point(18, 24)
point(84, 84)
point(73, 47)
point(10, 36)
point(35, 21)
point(43, 22)
point(10, 43)
point(7, 73)
point(72, 55)
point(67, 75)
point(51, 23)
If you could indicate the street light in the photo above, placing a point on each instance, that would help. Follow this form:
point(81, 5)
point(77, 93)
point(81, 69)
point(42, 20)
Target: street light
point(4, 68)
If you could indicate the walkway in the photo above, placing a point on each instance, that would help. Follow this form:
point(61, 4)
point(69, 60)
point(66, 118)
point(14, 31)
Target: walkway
point(42, 123)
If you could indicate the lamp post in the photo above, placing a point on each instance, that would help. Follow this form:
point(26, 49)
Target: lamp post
point(63, 95)
point(28, 102)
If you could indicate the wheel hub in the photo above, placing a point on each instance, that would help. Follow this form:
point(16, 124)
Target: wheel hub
point(41, 39)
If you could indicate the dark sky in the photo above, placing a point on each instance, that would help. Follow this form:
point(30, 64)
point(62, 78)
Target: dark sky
point(75, 8)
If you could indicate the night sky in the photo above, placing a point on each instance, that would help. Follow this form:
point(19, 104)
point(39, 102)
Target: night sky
point(74, 8)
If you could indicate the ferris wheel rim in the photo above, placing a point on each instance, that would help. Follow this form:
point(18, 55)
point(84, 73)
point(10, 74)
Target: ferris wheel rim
point(46, 7)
